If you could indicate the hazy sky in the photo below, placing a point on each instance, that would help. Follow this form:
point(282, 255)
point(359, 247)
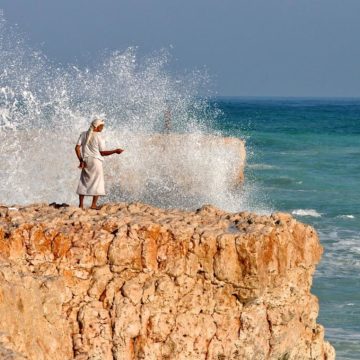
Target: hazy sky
point(250, 48)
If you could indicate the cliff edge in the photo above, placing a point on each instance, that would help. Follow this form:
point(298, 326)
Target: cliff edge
point(135, 282)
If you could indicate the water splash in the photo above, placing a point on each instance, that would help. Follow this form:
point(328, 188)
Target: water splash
point(44, 107)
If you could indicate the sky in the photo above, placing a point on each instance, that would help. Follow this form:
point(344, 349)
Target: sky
point(307, 48)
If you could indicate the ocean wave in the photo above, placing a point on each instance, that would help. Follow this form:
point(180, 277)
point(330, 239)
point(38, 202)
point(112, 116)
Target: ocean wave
point(306, 212)
point(343, 334)
point(44, 106)
point(261, 166)
point(341, 258)
point(346, 216)
point(345, 341)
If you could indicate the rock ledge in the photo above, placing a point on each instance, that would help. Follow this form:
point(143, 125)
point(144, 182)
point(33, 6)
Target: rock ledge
point(135, 282)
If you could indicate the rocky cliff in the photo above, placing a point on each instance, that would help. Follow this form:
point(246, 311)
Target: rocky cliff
point(135, 282)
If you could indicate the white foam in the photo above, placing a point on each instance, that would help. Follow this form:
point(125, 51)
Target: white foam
point(44, 108)
point(306, 212)
point(346, 216)
point(261, 166)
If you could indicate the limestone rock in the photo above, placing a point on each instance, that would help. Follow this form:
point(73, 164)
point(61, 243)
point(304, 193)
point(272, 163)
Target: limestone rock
point(134, 282)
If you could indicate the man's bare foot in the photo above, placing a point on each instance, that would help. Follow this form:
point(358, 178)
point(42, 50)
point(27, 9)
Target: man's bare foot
point(81, 202)
point(95, 207)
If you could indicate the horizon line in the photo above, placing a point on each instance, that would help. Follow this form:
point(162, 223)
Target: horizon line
point(287, 97)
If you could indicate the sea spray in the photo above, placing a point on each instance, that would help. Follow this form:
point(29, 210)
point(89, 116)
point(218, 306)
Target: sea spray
point(44, 107)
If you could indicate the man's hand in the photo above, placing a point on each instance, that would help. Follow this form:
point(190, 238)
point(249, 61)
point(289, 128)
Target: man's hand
point(82, 165)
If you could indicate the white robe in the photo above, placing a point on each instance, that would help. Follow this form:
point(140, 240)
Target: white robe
point(92, 176)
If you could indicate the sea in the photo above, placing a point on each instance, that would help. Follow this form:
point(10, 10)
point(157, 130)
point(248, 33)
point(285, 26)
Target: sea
point(304, 156)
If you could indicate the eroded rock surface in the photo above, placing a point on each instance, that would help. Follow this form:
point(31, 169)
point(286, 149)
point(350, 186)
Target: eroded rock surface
point(135, 282)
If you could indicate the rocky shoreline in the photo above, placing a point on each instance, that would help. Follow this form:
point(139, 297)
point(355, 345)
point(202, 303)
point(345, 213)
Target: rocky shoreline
point(131, 281)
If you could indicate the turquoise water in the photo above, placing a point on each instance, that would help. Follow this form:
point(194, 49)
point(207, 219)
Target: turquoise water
point(304, 156)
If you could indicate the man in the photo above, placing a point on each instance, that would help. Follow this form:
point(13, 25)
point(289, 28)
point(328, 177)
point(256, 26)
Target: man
point(90, 150)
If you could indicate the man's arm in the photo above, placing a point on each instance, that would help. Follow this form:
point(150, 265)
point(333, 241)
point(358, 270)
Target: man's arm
point(111, 152)
point(78, 154)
